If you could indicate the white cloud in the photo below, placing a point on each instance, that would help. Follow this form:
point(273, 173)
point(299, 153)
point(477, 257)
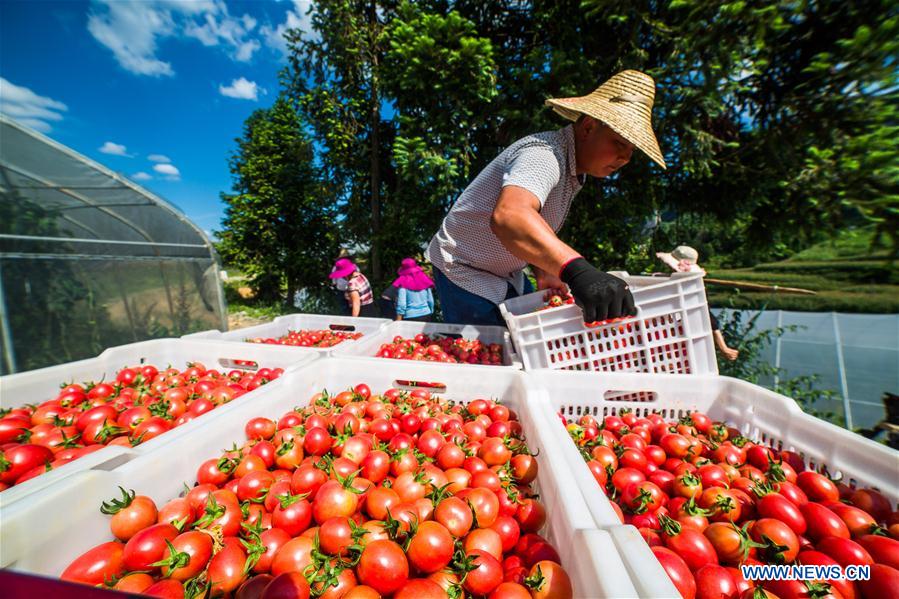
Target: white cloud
point(29, 108)
point(115, 149)
point(133, 30)
point(170, 171)
point(296, 18)
point(158, 158)
point(246, 50)
point(141, 176)
point(241, 89)
point(130, 30)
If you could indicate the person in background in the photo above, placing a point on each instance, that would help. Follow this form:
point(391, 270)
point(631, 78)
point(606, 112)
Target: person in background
point(387, 302)
point(414, 298)
point(340, 287)
point(340, 293)
point(683, 258)
point(358, 290)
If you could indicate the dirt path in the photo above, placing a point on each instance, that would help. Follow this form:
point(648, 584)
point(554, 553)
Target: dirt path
point(240, 320)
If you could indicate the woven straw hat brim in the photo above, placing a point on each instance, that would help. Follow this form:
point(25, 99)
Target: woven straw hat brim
point(624, 103)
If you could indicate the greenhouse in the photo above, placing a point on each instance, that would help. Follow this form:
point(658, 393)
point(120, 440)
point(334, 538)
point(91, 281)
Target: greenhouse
point(90, 260)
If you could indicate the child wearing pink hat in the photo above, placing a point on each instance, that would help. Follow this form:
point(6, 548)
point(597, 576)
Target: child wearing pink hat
point(358, 290)
point(414, 299)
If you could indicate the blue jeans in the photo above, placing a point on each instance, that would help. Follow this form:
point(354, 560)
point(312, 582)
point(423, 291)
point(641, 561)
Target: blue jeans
point(464, 307)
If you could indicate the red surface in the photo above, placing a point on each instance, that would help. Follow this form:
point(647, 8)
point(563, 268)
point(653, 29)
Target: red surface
point(16, 585)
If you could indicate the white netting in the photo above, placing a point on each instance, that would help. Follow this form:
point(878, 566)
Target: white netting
point(855, 355)
point(89, 259)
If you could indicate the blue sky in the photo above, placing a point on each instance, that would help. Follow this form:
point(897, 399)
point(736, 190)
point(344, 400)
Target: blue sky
point(156, 90)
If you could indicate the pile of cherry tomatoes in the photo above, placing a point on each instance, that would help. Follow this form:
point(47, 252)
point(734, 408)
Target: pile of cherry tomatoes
point(556, 299)
point(355, 496)
point(708, 500)
point(310, 338)
point(142, 402)
point(443, 349)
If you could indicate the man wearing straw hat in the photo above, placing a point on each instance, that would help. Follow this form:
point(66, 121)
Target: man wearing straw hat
point(509, 215)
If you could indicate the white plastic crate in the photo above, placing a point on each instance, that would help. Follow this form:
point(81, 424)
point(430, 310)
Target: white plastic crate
point(644, 570)
point(38, 386)
point(758, 413)
point(368, 347)
point(71, 522)
point(298, 322)
point(672, 332)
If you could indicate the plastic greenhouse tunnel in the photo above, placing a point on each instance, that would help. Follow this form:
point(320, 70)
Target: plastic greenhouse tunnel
point(90, 260)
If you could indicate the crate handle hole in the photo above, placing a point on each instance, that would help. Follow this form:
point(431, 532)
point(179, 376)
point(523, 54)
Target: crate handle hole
point(409, 385)
point(113, 463)
point(620, 395)
point(235, 363)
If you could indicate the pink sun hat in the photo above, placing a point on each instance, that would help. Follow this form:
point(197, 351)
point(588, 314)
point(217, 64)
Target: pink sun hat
point(412, 277)
point(342, 268)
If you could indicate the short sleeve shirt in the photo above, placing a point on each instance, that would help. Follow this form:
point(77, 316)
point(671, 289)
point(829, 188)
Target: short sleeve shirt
point(360, 284)
point(467, 251)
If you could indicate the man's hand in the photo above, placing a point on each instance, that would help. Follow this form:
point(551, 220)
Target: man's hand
point(546, 280)
point(602, 296)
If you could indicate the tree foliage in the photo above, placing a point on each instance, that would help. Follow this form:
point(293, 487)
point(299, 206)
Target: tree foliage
point(279, 225)
point(440, 76)
point(777, 117)
point(333, 77)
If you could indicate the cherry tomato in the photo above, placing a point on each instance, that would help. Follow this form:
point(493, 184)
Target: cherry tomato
point(817, 486)
point(883, 550)
point(431, 548)
point(96, 566)
point(188, 555)
point(822, 522)
point(383, 566)
point(486, 576)
point(779, 507)
point(226, 568)
point(714, 581)
point(781, 543)
point(549, 581)
point(289, 585)
point(677, 571)
point(147, 546)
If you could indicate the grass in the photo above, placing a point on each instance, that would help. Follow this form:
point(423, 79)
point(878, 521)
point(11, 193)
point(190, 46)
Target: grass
point(252, 307)
point(845, 273)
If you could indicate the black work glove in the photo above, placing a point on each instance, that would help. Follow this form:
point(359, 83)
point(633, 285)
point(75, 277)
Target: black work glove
point(602, 296)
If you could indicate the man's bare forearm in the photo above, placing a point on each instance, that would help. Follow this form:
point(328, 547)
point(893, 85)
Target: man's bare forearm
point(517, 223)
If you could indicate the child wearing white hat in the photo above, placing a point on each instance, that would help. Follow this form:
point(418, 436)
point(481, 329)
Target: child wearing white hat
point(683, 258)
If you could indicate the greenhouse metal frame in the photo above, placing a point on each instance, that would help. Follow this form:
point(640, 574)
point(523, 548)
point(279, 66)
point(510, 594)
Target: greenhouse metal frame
point(89, 259)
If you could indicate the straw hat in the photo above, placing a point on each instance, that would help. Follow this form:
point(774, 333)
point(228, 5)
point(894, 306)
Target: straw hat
point(624, 103)
point(685, 252)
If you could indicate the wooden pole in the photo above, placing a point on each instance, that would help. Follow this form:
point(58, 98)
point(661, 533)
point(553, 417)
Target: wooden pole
point(759, 287)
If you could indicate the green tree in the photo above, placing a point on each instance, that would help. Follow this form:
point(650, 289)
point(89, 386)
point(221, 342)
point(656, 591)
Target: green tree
point(396, 176)
point(750, 94)
point(279, 225)
point(333, 78)
point(439, 75)
point(775, 117)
